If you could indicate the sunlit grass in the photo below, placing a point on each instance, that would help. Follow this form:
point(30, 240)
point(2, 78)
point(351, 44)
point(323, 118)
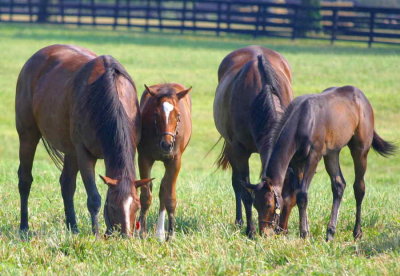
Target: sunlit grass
point(207, 242)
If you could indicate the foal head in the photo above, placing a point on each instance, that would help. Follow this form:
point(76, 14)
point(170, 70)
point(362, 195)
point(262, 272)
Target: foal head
point(121, 207)
point(268, 206)
point(167, 113)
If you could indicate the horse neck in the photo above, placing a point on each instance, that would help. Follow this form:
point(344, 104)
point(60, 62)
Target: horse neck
point(111, 123)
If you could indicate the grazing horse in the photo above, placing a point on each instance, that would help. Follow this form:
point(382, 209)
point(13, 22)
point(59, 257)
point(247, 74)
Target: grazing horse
point(166, 131)
point(253, 91)
point(84, 107)
point(316, 126)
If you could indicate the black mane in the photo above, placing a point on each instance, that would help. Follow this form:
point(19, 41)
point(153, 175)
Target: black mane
point(113, 127)
point(264, 115)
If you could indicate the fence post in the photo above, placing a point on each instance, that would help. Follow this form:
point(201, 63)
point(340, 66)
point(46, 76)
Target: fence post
point(371, 28)
point(264, 19)
point(146, 27)
point(294, 22)
point(159, 12)
point(11, 8)
point(79, 12)
point(61, 6)
point(116, 14)
point(30, 11)
point(335, 17)
point(228, 19)
point(128, 13)
point(93, 9)
point(194, 14)
point(257, 21)
point(218, 18)
point(183, 17)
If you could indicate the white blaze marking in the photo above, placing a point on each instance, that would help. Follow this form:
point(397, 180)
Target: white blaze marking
point(127, 211)
point(160, 234)
point(167, 109)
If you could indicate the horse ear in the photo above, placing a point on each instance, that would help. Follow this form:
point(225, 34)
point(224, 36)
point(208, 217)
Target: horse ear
point(183, 93)
point(149, 90)
point(142, 182)
point(109, 181)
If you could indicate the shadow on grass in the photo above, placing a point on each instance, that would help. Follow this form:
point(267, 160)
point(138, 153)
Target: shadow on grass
point(184, 224)
point(389, 241)
point(188, 40)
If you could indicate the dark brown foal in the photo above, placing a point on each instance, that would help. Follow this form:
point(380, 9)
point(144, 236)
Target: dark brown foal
point(316, 126)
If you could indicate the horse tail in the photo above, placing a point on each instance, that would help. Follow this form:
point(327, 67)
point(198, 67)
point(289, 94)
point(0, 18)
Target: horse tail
point(55, 155)
point(383, 147)
point(223, 158)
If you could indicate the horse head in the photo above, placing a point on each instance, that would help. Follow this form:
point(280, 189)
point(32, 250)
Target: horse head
point(268, 205)
point(167, 114)
point(121, 206)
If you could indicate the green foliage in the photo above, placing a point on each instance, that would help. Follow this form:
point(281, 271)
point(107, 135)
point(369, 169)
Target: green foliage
point(309, 19)
point(206, 242)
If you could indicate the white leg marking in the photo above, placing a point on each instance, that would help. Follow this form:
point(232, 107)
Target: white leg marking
point(167, 109)
point(160, 234)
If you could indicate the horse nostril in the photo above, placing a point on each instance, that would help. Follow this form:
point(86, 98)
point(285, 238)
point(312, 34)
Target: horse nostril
point(165, 146)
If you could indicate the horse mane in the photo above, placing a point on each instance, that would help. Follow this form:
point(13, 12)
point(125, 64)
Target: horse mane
point(276, 130)
point(264, 113)
point(111, 123)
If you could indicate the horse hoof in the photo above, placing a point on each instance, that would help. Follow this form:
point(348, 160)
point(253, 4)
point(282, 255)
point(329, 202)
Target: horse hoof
point(160, 236)
point(239, 223)
point(304, 235)
point(251, 233)
point(358, 235)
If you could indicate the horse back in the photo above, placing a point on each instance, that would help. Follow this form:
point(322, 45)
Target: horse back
point(239, 84)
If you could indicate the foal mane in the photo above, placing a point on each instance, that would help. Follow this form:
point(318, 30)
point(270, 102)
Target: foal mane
point(111, 123)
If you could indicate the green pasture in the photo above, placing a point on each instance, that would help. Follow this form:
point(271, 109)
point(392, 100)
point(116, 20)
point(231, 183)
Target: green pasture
point(207, 242)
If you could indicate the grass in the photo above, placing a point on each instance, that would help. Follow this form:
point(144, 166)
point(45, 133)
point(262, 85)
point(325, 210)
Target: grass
point(207, 242)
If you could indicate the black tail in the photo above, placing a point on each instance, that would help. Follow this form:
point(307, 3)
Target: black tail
point(55, 155)
point(223, 158)
point(383, 147)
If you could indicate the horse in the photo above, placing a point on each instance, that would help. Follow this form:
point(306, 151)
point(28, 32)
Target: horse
point(254, 88)
point(84, 107)
point(316, 126)
point(166, 131)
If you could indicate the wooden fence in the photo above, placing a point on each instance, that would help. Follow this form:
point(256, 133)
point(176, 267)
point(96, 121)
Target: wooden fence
point(257, 18)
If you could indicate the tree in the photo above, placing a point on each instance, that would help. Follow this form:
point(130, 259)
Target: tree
point(310, 19)
point(43, 14)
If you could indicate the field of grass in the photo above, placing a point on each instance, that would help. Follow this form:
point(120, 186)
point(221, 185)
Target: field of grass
point(207, 242)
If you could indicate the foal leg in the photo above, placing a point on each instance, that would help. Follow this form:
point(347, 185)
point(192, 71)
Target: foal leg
point(360, 166)
point(68, 187)
point(168, 197)
point(28, 140)
point(338, 185)
point(145, 166)
point(86, 164)
point(302, 195)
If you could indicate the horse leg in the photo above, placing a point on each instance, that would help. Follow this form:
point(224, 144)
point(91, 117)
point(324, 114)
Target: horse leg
point(302, 195)
point(86, 164)
point(28, 141)
point(240, 174)
point(145, 166)
point(359, 155)
point(338, 185)
point(168, 197)
point(68, 187)
point(289, 200)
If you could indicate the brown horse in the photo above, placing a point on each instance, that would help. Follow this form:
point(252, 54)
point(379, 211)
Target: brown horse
point(253, 91)
point(166, 131)
point(84, 107)
point(316, 126)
